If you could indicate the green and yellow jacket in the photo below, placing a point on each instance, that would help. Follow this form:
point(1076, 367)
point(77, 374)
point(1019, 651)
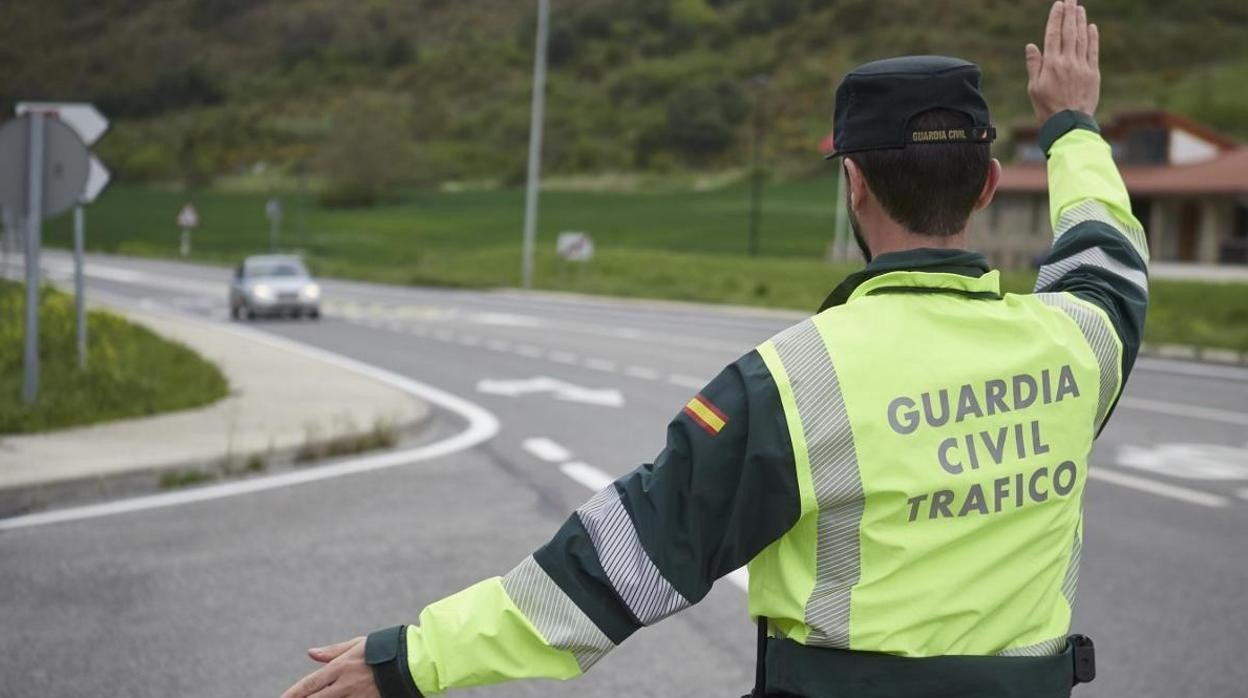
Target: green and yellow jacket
point(902, 475)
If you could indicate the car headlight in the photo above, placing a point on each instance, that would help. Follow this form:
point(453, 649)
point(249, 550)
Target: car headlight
point(311, 292)
point(262, 292)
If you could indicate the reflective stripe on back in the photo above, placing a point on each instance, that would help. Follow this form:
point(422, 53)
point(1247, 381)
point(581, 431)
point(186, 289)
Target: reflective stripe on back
point(834, 473)
point(1100, 336)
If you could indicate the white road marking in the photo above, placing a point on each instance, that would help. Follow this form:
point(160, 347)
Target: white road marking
point(587, 475)
point(1243, 494)
point(642, 372)
point(498, 344)
point(561, 390)
point(482, 426)
point(1211, 414)
point(443, 335)
point(1160, 489)
point(562, 357)
point(602, 365)
point(685, 381)
point(528, 350)
point(546, 449)
point(469, 340)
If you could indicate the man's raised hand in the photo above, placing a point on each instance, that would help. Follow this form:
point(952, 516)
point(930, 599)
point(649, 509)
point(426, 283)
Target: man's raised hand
point(1067, 74)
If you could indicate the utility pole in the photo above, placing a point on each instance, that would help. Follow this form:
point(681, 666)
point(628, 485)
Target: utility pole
point(535, 143)
point(756, 179)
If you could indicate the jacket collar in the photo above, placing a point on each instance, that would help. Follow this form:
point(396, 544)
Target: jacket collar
point(925, 268)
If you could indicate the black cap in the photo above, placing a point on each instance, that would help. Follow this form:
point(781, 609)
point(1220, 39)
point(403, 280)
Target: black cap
point(876, 102)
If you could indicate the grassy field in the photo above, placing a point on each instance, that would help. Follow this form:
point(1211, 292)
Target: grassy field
point(130, 371)
point(669, 242)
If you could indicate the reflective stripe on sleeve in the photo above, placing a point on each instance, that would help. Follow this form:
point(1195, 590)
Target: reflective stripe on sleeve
point(1093, 210)
point(1099, 333)
point(560, 621)
point(1091, 257)
point(633, 574)
point(834, 473)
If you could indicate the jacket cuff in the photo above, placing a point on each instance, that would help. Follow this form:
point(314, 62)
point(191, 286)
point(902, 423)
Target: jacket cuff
point(1062, 123)
point(386, 652)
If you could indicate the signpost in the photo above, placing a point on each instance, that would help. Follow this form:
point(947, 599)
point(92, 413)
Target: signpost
point(90, 125)
point(43, 171)
point(273, 211)
point(188, 220)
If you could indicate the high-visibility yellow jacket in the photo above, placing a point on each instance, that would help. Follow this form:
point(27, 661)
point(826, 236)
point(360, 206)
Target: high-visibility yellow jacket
point(902, 473)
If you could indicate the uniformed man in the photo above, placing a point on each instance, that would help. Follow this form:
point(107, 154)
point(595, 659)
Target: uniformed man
point(903, 472)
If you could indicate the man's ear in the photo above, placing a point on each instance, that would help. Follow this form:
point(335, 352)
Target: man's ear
point(858, 191)
point(990, 185)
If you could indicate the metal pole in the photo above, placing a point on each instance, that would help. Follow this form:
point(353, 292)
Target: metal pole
point(273, 233)
point(80, 313)
point(34, 222)
point(535, 143)
point(756, 182)
point(840, 240)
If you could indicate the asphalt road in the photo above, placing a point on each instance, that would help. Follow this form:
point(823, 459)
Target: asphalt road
point(219, 598)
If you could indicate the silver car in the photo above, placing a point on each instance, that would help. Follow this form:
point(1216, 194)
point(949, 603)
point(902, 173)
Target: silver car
point(274, 285)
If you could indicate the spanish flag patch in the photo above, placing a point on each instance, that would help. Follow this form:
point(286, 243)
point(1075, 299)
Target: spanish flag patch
point(706, 414)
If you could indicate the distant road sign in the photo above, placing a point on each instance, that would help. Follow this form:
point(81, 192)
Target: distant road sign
point(83, 118)
point(98, 177)
point(188, 217)
point(65, 165)
point(575, 246)
point(273, 209)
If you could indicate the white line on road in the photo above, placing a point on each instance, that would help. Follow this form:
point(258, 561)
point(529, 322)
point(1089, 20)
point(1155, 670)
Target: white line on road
point(498, 344)
point(1211, 414)
point(546, 449)
point(482, 426)
point(528, 350)
point(1161, 489)
point(602, 365)
point(685, 381)
point(562, 357)
point(642, 372)
point(586, 475)
point(1243, 494)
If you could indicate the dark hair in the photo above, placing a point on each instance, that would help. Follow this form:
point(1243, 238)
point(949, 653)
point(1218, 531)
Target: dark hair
point(930, 188)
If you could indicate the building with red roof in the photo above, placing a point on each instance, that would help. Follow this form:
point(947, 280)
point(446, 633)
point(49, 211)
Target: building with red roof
point(1188, 185)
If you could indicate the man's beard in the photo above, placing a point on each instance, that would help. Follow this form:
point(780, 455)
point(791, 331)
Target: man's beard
point(853, 225)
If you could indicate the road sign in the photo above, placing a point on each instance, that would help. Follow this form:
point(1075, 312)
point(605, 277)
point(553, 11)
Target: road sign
point(98, 177)
point(83, 118)
point(188, 217)
point(64, 169)
point(574, 246)
point(607, 397)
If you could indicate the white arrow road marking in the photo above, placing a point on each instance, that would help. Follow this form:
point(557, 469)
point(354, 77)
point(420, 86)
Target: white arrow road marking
point(1160, 489)
point(561, 390)
point(1243, 494)
point(1188, 461)
point(546, 449)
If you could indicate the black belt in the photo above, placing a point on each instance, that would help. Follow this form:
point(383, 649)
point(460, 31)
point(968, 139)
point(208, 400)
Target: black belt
point(787, 668)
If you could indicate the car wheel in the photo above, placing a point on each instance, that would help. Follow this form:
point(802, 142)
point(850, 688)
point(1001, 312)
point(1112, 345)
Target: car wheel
point(315, 313)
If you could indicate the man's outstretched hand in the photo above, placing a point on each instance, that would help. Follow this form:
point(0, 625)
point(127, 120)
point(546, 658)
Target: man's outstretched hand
point(345, 675)
point(1067, 75)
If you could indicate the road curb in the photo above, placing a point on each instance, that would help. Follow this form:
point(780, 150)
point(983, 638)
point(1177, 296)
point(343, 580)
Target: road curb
point(233, 460)
point(1189, 352)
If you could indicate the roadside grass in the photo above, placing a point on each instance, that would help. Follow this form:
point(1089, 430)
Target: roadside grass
point(131, 371)
point(654, 241)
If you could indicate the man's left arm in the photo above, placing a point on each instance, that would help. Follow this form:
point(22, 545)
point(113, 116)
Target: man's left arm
point(648, 545)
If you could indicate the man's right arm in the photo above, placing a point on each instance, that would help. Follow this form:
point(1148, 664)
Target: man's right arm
point(1099, 254)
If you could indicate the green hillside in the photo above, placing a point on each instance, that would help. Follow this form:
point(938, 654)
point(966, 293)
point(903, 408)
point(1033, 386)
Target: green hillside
point(368, 94)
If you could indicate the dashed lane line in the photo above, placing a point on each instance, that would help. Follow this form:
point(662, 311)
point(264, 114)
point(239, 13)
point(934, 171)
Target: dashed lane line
point(642, 372)
point(528, 350)
point(586, 475)
point(562, 357)
point(546, 449)
point(685, 381)
point(602, 365)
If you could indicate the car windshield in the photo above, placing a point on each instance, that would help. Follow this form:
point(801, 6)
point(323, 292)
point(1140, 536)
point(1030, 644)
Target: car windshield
point(271, 269)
